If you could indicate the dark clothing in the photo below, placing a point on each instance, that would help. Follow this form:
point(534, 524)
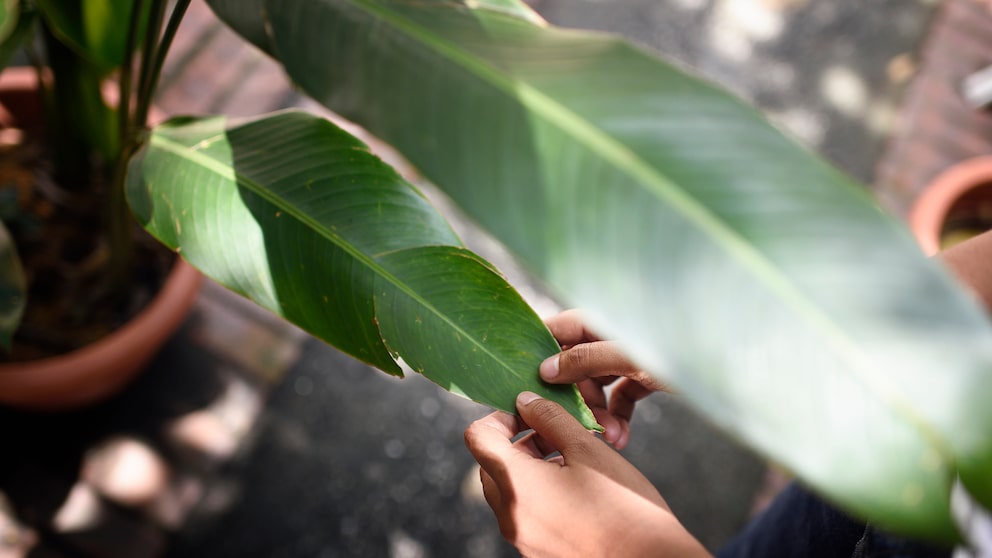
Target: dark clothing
point(800, 525)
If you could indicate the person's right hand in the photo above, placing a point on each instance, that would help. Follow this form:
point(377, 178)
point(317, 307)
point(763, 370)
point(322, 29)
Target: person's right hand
point(587, 501)
point(592, 364)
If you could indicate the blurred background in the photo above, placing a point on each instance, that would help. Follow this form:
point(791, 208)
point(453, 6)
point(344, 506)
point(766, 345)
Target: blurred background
point(245, 437)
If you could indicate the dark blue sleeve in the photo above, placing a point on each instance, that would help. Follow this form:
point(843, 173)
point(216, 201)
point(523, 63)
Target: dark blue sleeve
point(796, 524)
point(800, 525)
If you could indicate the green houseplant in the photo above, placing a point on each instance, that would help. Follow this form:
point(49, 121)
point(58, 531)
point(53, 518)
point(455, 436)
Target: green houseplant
point(727, 259)
point(123, 44)
point(102, 298)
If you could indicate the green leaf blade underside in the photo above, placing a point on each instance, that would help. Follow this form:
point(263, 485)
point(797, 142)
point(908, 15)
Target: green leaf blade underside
point(248, 17)
point(514, 8)
point(732, 263)
point(13, 288)
point(295, 214)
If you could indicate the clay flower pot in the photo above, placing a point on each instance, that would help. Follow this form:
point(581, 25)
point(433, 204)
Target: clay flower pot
point(103, 368)
point(97, 371)
point(957, 203)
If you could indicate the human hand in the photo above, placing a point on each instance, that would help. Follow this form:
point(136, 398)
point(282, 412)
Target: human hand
point(592, 364)
point(588, 502)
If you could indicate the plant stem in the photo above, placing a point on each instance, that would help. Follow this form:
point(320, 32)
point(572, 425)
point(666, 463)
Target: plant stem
point(119, 225)
point(145, 97)
point(118, 215)
point(153, 54)
point(83, 124)
point(127, 77)
point(148, 53)
point(119, 222)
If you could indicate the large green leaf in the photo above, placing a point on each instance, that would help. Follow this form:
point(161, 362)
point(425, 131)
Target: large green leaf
point(95, 29)
point(297, 215)
point(732, 263)
point(248, 17)
point(13, 288)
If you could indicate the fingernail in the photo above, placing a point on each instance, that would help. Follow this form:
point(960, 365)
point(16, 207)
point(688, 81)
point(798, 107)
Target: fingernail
point(549, 368)
point(526, 397)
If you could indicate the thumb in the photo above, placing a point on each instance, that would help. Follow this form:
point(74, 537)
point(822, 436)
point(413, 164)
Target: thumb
point(553, 423)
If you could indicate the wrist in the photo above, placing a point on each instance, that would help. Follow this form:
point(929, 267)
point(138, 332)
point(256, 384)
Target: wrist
point(656, 533)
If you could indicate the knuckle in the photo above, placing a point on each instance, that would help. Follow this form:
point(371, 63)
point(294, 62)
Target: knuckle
point(575, 358)
point(469, 435)
point(550, 416)
point(472, 433)
point(545, 412)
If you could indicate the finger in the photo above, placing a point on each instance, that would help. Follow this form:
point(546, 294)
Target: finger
point(647, 380)
point(587, 360)
point(541, 447)
point(555, 425)
point(569, 328)
point(623, 400)
point(533, 445)
point(612, 428)
point(592, 393)
point(594, 396)
point(625, 396)
point(490, 491)
point(488, 439)
point(624, 438)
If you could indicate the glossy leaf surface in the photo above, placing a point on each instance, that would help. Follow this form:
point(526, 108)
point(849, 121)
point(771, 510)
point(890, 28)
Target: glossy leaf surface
point(762, 283)
point(297, 215)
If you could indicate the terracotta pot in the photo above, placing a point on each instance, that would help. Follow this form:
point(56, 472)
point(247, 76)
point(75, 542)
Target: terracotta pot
point(960, 196)
point(103, 368)
point(100, 370)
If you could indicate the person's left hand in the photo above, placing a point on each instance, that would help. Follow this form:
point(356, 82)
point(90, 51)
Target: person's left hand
point(588, 502)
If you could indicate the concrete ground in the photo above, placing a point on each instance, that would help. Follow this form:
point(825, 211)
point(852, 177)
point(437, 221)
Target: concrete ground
point(277, 445)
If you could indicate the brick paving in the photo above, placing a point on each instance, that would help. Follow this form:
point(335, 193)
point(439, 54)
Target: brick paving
point(211, 70)
point(937, 127)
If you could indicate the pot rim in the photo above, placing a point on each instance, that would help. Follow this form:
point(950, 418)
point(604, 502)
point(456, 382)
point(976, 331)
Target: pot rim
point(104, 367)
point(31, 384)
point(929, 211)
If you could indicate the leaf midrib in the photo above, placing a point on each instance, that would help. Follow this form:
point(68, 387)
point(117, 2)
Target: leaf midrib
point(627, 161)
point(229, 173)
